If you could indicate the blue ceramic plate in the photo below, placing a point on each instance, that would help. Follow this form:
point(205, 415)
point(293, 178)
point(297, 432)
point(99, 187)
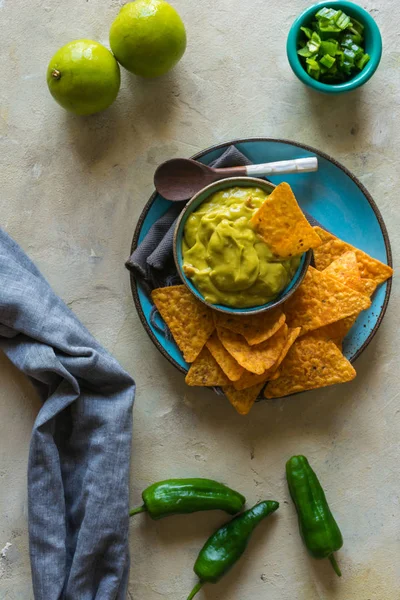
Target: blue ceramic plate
point(332, 195)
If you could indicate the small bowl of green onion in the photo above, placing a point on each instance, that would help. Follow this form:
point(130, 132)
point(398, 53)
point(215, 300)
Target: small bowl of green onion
point(334, 47)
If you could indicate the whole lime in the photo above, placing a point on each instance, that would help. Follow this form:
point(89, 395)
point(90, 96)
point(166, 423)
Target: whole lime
point(84, 77)
point(148, 37)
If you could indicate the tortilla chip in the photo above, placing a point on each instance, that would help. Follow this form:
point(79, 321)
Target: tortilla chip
point(332, 247)
point(282, 224)
point(205, 371)
point(254, 328)
point(368, 287)
point(320, 300)
point(228, 364)
point(190, 321)
point(337, 331)
point(244, 400)
point(293, 334)
point(345, 268)
point(276, 375)
point(311, 363)
point(249, 379)
point(256, 359)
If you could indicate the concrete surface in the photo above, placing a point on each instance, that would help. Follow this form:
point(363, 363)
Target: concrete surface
point(71, 190)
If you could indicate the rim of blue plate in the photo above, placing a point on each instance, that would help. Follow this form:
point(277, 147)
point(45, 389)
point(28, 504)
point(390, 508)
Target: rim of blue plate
point(194, 203)
point(373, 45)
point(134, 285)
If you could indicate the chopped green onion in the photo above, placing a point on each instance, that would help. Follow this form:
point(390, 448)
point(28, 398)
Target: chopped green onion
point(343, 21)
point(347, 66)
point(315, 42)
point(326, 26)
point(329, 47)
point(360, 64)
point(357, 38)
point(326, 13)
point(313, 63)
point(349, 54)
point(314, 74)
point(327, 61)
point(307, 31)
point(332, 47)
point(305, 52)
point(333, 69)
point(347, 41)
point(340, 58)
point(357, 27)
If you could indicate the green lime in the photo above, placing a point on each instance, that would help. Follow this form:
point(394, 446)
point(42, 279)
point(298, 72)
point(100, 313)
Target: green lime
point(148, 37)
point(84, 77)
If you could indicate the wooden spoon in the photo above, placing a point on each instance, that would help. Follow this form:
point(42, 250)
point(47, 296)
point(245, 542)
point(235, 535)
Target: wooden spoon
point(181, 178)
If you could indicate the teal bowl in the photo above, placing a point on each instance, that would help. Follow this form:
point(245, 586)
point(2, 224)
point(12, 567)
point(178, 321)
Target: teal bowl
point(191, 206)
point(373, 47)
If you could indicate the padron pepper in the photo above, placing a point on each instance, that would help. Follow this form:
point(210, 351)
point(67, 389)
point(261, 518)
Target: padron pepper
point(318, 528)
point(227, 545)
point(183, 496)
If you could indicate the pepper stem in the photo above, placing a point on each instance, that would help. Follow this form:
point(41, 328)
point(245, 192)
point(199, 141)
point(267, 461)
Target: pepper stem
point(136, 511)
point(335, 566)
point(196, 589)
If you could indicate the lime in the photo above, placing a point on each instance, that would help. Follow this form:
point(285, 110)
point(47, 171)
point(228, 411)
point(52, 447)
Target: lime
point(84, 77)
point(148, 37)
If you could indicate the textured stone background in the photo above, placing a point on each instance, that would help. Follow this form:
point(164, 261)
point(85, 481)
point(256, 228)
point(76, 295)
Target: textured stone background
point(71, 190)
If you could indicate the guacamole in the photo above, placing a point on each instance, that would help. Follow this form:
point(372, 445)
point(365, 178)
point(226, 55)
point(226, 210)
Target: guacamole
point(226, 259)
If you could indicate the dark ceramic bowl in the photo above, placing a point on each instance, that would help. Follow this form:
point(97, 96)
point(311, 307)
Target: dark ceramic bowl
point(193, 205)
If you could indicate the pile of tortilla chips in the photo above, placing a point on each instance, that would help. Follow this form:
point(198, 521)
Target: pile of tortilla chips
point(289, 349)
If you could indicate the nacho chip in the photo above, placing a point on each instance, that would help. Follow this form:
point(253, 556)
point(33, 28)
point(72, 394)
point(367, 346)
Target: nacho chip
point(205, 371)
point(337, 331)
point(332, 247)
point(345, 268)
point(311, 363)
point(368, 287)
point(190, 321)
point(244, 400)
point(282, 224)
point(293, 334)
point(276, 375)
point(228, 364)
point(320, 300)
point(249, 379)
point(254, 328)
point(256, 359)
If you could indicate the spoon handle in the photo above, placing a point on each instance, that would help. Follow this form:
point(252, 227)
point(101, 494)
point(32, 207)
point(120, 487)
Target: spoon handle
point(298, 165)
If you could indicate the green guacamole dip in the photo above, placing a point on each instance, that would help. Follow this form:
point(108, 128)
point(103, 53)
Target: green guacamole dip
point(225, 258)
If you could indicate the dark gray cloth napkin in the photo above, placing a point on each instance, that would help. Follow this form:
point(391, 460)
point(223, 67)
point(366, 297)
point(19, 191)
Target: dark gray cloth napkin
point(78, 474)
point(152, 262)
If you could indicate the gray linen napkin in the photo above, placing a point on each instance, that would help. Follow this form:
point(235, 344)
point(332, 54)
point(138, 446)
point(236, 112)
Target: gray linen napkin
point(78, 473)
point(152, 262)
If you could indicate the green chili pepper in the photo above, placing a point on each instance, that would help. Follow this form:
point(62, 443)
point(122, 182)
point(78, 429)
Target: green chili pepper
point(227, 545)
point(182, 496)
point(319, 530)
